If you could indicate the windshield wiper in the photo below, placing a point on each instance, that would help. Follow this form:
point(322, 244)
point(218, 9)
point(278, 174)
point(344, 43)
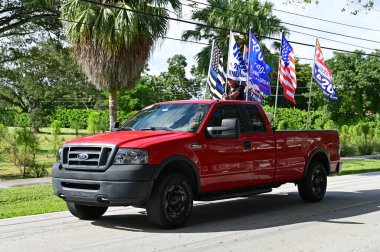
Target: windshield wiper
point(126, 129)
point(157, 128)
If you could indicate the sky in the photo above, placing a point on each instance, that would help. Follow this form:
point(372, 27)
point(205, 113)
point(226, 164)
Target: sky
point(325, 9)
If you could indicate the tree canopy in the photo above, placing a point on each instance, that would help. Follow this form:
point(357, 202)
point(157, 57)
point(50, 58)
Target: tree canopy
point(220, 16)
point(112, 40)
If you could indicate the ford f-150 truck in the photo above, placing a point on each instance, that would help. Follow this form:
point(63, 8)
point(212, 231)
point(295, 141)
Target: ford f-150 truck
point(172, 153)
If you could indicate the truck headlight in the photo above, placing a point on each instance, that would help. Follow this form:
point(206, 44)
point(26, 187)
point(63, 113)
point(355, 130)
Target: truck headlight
point(131, 156)
point(59, 155)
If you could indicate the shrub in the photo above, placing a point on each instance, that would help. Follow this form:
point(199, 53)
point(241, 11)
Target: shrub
point(22, 120)
point(35, 169)
point(75, 126)
point(93, 122)
point(27, 146)
point(364, 137)
point(104, 121)
point(55, 129)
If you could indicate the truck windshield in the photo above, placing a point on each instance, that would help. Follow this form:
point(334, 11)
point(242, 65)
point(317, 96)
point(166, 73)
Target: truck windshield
point(185, 117)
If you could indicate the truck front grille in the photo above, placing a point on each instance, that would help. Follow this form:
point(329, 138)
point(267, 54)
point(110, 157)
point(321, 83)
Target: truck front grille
point(87, 157)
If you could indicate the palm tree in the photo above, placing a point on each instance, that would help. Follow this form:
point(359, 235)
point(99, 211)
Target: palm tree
point(231, 15)
point(112, 39)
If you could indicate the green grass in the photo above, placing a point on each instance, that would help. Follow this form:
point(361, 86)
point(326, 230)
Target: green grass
point(360, 166)
point(29, 200)
point(44, 155)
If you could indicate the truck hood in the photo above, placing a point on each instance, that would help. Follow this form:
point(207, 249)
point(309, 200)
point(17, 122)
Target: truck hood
point(128, 138)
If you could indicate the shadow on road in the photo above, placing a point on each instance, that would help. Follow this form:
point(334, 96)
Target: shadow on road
point(258, 212)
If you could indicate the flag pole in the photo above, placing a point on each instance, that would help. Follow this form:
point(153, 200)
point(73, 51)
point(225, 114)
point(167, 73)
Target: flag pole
point(228, 64)
point(278, 77)
point(311, 82)
point(249, 63)
point(209, 66)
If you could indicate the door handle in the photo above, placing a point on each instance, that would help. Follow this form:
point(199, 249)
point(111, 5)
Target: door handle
point(247, 145)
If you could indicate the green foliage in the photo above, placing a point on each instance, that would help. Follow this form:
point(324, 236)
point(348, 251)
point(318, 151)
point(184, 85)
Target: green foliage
point(55, 127)
point(364, 137)
point(35, 169)
point(27, 146)
point(75, 126)
point(104, 121)
point(93, 122)
point(37, 83)
point(22, 120)
point(356, 78)
point(67, 116)
point(113, 44)
point(253, 13)
point(329, 125)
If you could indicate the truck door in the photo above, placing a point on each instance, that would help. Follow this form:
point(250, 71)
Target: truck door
point(262, 153)
point(226, 163)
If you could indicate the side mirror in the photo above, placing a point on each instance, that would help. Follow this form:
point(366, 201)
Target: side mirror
point(230, 129)
point(114, 126)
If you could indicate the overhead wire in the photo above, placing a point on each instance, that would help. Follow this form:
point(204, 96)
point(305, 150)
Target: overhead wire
point(287, 23)
point(219, 28)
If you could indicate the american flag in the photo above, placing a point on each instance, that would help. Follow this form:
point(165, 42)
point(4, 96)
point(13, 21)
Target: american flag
point(287, 73)
point(217, 76)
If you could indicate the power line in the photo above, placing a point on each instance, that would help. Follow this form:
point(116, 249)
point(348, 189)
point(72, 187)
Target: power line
point(327, 20)
point(307, 34)
point(337, 41)
point(287, 23)
point(162, 37)
point(220, 28)
point(315, 18)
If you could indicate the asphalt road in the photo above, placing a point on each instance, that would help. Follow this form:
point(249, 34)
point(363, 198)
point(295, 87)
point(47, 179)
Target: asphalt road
point(348, 219)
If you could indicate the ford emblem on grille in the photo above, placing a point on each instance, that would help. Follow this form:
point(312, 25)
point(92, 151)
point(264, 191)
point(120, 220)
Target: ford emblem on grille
point(82, 156)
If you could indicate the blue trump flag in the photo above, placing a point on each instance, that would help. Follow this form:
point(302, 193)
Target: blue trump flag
point(323, 76)
point(257, 68)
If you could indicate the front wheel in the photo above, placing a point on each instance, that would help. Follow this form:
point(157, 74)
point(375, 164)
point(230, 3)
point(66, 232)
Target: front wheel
point(86, 212)
point(312, 188)
point(171, 201)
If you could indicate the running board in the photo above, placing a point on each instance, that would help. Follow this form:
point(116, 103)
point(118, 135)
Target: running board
point(233, 194)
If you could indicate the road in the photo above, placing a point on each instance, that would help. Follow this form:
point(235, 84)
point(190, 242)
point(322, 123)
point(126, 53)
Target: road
point(348, 219)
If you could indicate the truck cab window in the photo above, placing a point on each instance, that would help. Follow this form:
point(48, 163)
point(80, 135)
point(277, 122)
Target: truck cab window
point(255, 122)
point(223, 112)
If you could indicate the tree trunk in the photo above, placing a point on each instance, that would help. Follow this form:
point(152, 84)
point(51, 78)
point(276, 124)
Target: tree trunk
point(33, 118)
point(112, 106)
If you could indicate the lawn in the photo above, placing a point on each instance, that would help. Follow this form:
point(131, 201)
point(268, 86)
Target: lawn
point(45, 153)
point(360, 166)
point(28, 200)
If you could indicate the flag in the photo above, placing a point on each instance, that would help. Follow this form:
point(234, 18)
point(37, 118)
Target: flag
point(216, 79)
point(287, 70)
point(322, 75)
point(253, 91)
point(237, 68)
point(257, 68)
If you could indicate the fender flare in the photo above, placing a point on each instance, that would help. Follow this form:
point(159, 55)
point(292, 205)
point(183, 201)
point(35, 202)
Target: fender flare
point(175, 158)
point(316, 151)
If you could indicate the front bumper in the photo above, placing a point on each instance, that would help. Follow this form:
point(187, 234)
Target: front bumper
point(119, 185)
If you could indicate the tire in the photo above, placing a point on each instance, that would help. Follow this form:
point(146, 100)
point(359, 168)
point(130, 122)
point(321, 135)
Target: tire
point(171, 201)
point(86, 212)
point(313, 187)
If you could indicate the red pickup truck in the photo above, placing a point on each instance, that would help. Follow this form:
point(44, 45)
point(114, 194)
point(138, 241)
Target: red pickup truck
point(172, 153)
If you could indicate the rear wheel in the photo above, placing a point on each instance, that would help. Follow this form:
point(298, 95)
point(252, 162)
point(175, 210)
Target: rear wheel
point(313, 187)
point(171, 201)
point(86, 212)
